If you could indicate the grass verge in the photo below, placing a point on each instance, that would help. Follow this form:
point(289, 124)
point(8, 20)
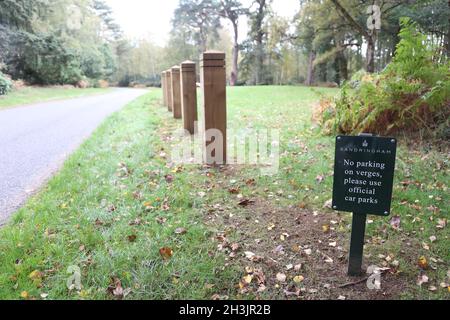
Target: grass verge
point(29, 95)
point(118, 201)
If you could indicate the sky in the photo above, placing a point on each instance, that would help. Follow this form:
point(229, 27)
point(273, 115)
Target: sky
point(152, 18)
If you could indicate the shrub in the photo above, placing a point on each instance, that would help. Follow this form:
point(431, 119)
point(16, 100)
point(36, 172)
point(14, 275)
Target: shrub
point(49, 62)
point(5, 84)
point(411, 94)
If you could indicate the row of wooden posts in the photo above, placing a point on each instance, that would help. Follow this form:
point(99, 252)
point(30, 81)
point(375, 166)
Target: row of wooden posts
point(179, 86)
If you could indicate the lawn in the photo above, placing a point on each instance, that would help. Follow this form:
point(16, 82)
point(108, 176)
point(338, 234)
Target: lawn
point(29, 95)
point(140, 227)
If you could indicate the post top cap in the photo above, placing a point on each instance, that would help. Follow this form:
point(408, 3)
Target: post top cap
point(187, 62)
point(213, 55)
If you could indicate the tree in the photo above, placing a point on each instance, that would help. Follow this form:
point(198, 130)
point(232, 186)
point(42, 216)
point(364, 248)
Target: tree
point(258, 33)
point(232, 10)
point(200, 20)
point(111, 30)
point(359, 27)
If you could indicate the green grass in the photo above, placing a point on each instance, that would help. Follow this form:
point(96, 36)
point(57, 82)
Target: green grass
point(85, 215)
point(29, 95)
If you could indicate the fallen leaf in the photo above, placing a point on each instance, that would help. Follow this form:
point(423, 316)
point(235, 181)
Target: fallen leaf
point(298, 279)
point(248, 279)
point(442, 223)
point(342, 298)
point(161, 220)
point(423, 263)
point(246, 202)
point(249, 255)
point(293, 291)
point(328, 204)
point(136, 222)
point(115, 288)
point(132, 238)
point(235, 247)
point(169, 178)
point(36, 277)
point(166, 253)
point(234, 190)
point(308, 252)
point(395, 222)
point(180, 231)
point(279, 250)
point(422, 279)
point(24, 295)
point(328, 260)
point(326, 228)
point(281, 277)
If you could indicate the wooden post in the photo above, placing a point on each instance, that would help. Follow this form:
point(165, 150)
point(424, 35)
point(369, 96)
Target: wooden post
point(169, 90)
point(213, 79)
point(163, 88)
point(189, 95)
point(176, 92)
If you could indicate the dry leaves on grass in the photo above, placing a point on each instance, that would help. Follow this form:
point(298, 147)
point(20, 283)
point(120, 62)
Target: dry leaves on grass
point(115, 289)
point(166, 253)
point(180, 231)
point(246, 202)
point(423, 263)
point(132, 238)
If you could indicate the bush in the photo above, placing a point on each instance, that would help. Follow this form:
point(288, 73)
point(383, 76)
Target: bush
point(5, 84)
point(49, 62)
point(413, 93)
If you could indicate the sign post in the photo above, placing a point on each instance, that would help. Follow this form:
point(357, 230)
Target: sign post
point(363, 182)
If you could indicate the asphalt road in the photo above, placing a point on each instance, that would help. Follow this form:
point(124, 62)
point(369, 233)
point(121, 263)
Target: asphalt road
point(36, 139)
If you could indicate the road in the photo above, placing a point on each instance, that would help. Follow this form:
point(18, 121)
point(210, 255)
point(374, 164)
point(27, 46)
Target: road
point(36, 139)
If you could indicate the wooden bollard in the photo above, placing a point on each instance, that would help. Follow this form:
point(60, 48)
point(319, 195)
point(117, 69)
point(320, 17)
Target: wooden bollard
point(213, 79)
point(189, 96)
point(169, 90)
point(176, 92)
point(163, 88)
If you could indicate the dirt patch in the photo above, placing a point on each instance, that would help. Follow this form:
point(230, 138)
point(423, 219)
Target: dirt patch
point(293, 253)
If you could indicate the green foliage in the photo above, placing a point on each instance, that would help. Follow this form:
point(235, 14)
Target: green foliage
point(48, 61)
point(38, 44)
point(5, 84)
point(412, 94)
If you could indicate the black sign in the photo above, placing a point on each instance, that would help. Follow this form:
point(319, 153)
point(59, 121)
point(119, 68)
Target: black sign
point(364, 174)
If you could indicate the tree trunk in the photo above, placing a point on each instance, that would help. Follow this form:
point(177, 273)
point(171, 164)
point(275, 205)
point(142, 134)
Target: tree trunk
point(341, 67)
point(259, 42)
point(370, 55)
point(310, 77)
point(234, 67)
point(447, 46)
